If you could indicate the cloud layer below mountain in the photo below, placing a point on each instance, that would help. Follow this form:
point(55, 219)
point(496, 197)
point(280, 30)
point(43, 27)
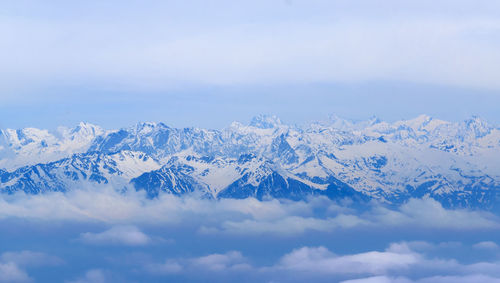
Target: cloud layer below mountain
point(233, 216)
point(188, 238)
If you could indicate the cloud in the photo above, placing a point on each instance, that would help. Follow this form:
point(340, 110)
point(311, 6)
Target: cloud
point(486, 245)
point(91, 276)
point(398, 263)
point(217, 262)
point(460, 279)
point(320, 259)
point(423, 213)
point(304, 253)
point(435, 279)
point(430, 213)
point(10, 272)
point(167, 267)
point(12, 264)
point(289, 225)
point(229, 216)
point(30, 258)
point(118, 235)
point(233, 260)
point(394, 265)
point(378, 279)
point(106, 205)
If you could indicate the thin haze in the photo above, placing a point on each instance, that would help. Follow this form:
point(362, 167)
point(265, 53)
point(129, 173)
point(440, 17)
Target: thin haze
point(206, 63)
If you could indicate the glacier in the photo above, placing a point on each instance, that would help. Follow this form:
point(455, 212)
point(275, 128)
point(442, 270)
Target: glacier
point(455, 163)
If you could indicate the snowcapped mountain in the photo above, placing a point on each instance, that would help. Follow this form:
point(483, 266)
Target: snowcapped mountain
point(30, 146)
point(115, 169)
point(455, 163)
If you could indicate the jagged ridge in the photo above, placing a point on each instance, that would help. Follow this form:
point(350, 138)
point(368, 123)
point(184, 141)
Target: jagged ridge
point(455, 163)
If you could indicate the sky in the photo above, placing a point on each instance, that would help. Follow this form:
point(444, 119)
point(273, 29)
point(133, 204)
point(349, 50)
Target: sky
point(207, 63)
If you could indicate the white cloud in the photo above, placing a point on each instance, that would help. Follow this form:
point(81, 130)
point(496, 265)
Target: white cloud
point(460, 279)
point(435, 279)
point(30, 258)
point(398, 263)
point(167, 267)
point(217, 262)
point(10, 272)
point(393, 265)
point(12, 264)
point(91, 276)
point(378, 279)
point(422, 213)
point(104, 204)
point(486, 245)
point(232, 216)
point(289, 225)
point(253, 218)
point(118, 235)
point(430, 213)
point(320, 259)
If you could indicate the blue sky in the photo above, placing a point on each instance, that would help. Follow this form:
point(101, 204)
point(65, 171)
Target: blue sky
point(199, 63)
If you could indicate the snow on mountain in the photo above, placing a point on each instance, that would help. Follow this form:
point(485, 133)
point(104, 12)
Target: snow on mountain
point(116, 169)
point(79, 138)
point(265, 122)
point(31, 146)
point(456, 163)
point(157, 140)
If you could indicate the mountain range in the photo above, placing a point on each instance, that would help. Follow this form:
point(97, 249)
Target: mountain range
point(456, 163)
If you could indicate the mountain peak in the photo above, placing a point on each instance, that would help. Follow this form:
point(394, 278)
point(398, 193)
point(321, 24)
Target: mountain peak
point(83, 130)
point(478, 126)
point(265, 121)
point(87, 127)
point(349, 125)
point(374, 120)
point(418, 156)
point(421, 119)
point(417, 123)
point(338, 122)
point(147, 127)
